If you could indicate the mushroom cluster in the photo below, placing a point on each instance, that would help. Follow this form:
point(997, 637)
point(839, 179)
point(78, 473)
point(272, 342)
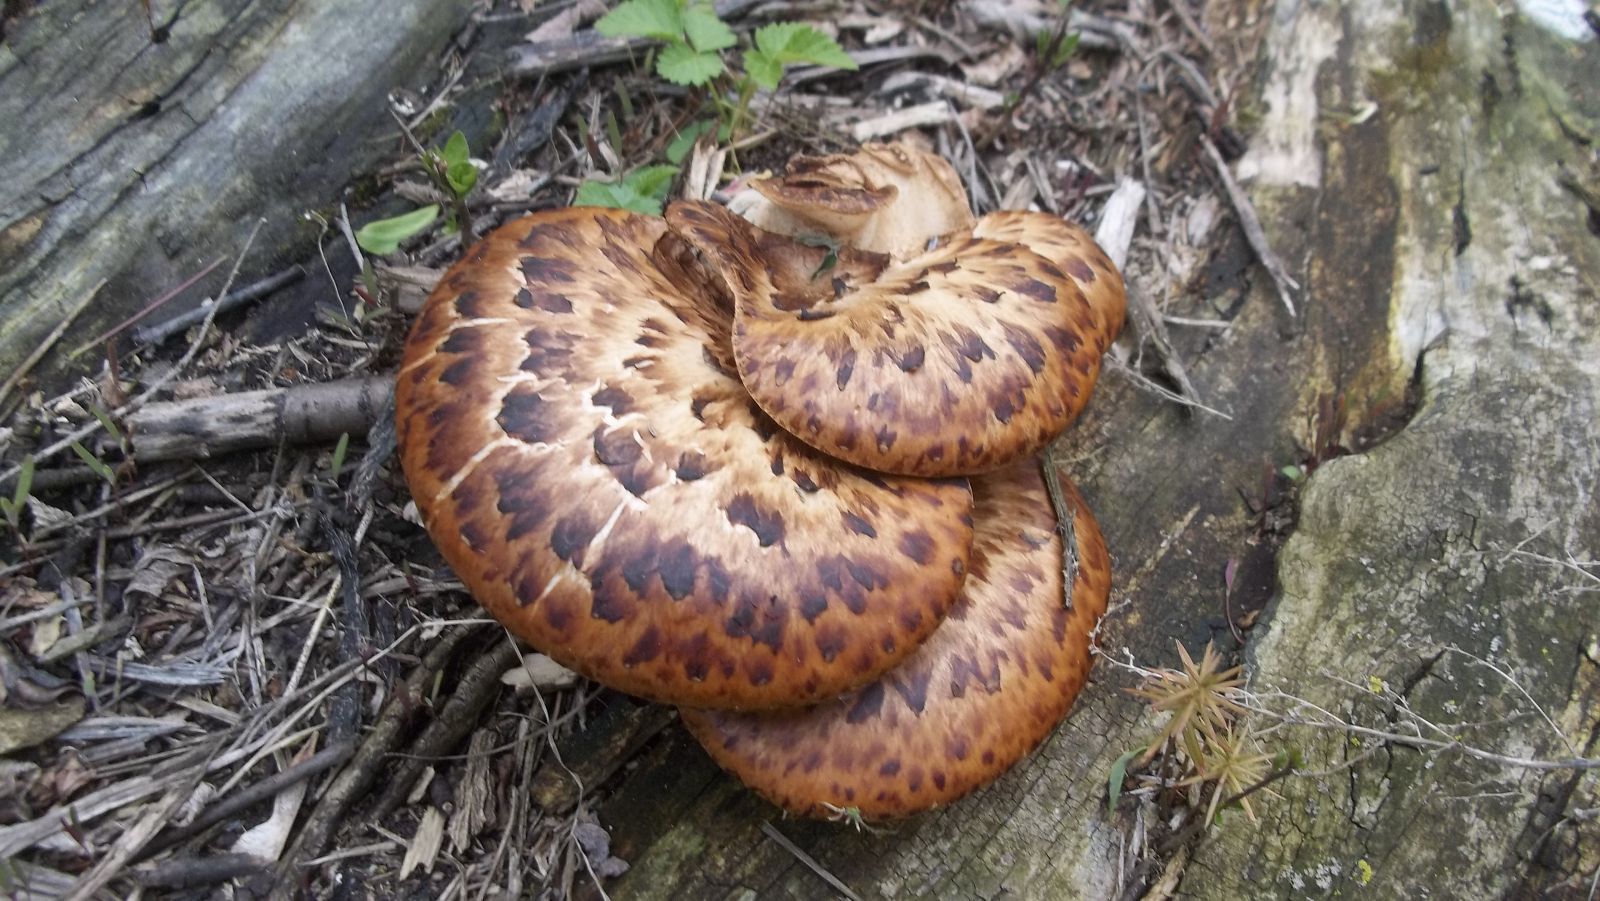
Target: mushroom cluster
point(781, 475)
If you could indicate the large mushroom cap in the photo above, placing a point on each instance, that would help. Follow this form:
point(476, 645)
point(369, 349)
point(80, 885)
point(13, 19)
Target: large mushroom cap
point(586, 459)
point(883, 198)
point(982, 693)
point(953, 362)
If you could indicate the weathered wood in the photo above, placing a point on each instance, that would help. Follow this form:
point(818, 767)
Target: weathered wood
point(139, 157)
point(1437, 253)
point(207, 426)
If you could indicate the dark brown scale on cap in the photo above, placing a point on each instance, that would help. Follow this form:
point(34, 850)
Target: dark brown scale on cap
point(1074, 252)
point(982, 693)
point(969, 356)
point(614, 500)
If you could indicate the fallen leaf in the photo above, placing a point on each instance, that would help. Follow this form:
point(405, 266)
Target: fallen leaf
point(46, 632)
point(25, 728)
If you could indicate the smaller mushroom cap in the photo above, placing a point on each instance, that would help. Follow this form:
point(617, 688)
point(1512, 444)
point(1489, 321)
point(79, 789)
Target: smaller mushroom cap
point(981, 694)
point(582, 452)
point(884, 198)
point(953, 362)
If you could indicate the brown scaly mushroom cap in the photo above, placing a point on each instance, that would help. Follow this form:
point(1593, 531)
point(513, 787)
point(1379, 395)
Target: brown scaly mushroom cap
point(981, 694)
point(953, 362)
point(884, 198)
point(585, 458)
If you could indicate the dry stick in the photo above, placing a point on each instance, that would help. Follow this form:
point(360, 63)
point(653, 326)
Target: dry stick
point(149, 308)
point(323, 760)
point(1065, 524)
point(459, 716)
point(193, 872)
point(155, 334)
point(1193, 27)
point(144, 397)
point(810, 862)
point(1252, 228)
point(49, 342)
point(1182, 837)
point(358, 775)
point(303, 414)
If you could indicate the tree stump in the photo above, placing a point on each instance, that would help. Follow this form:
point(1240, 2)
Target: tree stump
point(139, 151)
point(1409, 165)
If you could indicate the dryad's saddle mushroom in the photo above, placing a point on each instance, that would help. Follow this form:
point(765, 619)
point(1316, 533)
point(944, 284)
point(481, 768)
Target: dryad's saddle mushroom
point(583, 454)
point(951, 359)
point(984, 691)
point(712, 464)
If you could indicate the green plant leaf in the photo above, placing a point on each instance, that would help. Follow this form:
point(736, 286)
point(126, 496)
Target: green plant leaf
point(1119, 774)
point(455, 150)
point(1064, 50)
point(100, 467)
point(682, 64)
point(679, 147)
point(336, 463)
point(106, 423)
point(706, 31)
point(384, 235)
point(642, 191)
point(462, 177)
point(791, 43)
point(762, 69)
point(658, 19)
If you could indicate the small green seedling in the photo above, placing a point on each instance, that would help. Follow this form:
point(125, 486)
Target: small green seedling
point(339, 451)
point(101, 468)
point(642, 190)
point(453, 173)
point(1119, 775)
point(14, 505)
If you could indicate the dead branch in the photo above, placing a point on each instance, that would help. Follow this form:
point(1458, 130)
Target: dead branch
point(208, 426)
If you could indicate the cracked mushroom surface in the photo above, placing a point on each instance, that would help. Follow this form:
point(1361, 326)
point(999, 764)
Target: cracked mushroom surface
point(955, 361)
point(987, 689)
point(583, 454)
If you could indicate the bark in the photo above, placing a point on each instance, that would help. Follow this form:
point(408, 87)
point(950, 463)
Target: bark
point(140, 157)
point(208, 426)
point(1440, 259)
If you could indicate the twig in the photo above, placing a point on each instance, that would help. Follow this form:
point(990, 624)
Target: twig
point(476, 688)
point(323, 760)
point(160, 383)
point(161, 331)
point(1112, 364)
point(1331, 721)
point(148, 308)
point(364, 767)
point(1065, 524)
point(50, 340)
point(1253, 232)
point(810, 862)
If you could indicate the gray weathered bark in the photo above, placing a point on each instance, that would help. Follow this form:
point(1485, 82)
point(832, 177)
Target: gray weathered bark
point(1439, 254)
point(139, 161)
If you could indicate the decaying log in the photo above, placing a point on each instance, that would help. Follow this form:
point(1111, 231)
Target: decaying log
point(1407, 172)
point(140, 155)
